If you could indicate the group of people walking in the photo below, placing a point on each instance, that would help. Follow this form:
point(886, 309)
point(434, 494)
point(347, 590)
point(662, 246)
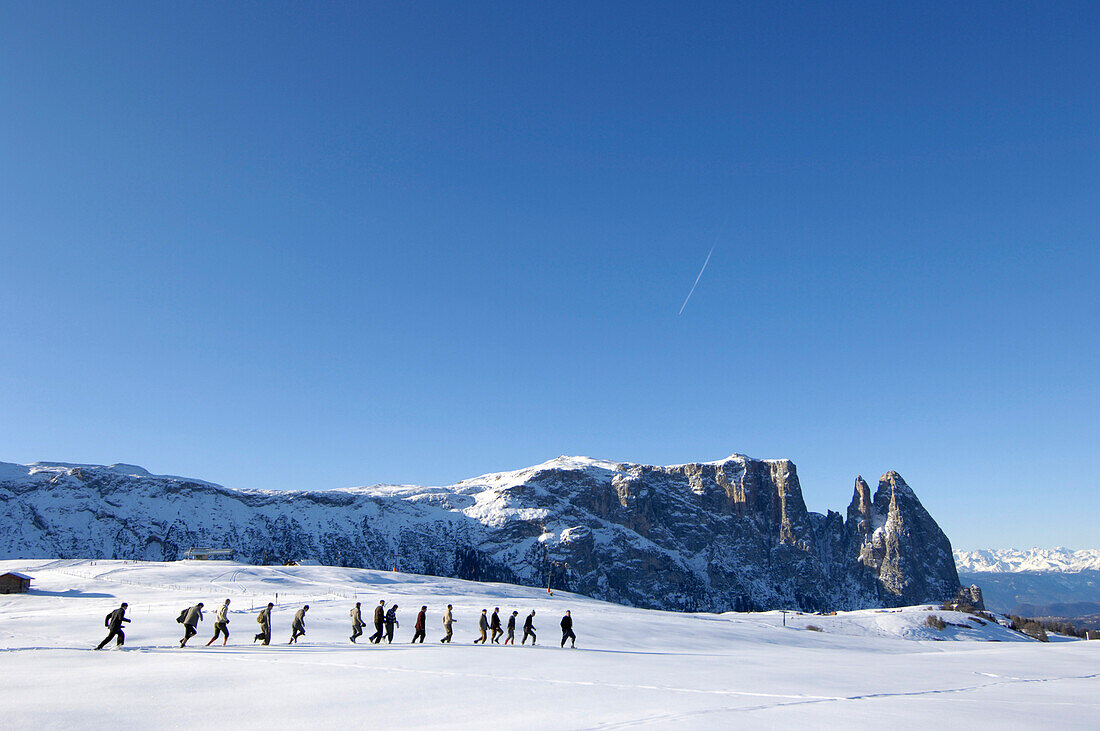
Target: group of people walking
point(489, 628)
point(385, 622)
point(191, 617)
point(493, 628)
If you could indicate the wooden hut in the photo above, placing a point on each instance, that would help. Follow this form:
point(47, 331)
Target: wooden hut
point(209, 554)
point(14, 583)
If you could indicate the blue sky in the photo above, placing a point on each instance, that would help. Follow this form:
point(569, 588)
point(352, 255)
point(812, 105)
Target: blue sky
point(311, 245)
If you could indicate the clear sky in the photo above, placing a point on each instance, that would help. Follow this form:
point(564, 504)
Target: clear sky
point(313, 245)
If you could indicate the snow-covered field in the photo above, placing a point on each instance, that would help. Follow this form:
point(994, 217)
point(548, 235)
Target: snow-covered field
point(632, 667)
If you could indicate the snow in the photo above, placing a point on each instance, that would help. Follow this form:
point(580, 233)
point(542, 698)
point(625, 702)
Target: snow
point(517, 477)
point(584, 464)
point(633, 666)
point(10, 471)
point(1057, 560)
point(130, 469)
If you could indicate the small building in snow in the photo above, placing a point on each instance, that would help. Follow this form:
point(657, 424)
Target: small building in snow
point(209, 554)
point(14, 583)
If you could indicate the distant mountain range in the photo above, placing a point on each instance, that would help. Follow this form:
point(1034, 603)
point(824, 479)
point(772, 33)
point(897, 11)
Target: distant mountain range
point(728, 535)
point(1059, 560)
point(1048, 583)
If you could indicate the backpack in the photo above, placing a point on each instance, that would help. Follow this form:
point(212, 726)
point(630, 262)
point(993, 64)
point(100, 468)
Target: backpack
point(260, 618)
point(107, 620)
point(182, 615)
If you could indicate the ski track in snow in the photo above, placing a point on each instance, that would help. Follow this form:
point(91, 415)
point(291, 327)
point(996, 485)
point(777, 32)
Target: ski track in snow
point(669, 717)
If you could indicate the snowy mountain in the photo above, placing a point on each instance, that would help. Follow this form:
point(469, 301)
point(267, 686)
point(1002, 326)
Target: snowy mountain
point(1058, 560)
point(1054, 583)
point(731, 534)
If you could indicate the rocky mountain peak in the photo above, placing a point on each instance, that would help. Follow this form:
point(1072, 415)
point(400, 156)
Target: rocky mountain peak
point(893, 482)
point(729, 534)
point(900, 525)
point(861, 507)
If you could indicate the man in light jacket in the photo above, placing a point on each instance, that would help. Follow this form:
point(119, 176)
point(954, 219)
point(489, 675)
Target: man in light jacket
point(221, 624)
point(264, 619)
point(447, 622)
point(191, 623)
point(482, 627)
point(298, 626)
point(357, 623)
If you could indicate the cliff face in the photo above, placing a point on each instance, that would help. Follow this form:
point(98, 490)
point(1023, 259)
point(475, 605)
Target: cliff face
point(733, 534)
point(900, 543)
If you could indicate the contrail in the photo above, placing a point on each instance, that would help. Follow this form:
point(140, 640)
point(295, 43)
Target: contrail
point(697, 278)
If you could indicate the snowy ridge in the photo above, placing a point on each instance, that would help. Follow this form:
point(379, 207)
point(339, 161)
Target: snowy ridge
point(1044, 560)
point(729, 534)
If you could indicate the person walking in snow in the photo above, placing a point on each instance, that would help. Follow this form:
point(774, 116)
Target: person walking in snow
point(113, 623)
point(191, 621)
point(529, 629)
point(421, 622)
point(494, 625)
point(221, 624)
point(298, 625)
point(357, 623)
point(511, 638)
point(391, 623)
point(483, 627)
point(447, 622)
point(264, 618)
point(379, 621)
point(567, 630)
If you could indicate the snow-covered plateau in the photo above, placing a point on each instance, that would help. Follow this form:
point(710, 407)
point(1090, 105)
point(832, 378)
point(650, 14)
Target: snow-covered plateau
point(632, 667)
point(732, 534)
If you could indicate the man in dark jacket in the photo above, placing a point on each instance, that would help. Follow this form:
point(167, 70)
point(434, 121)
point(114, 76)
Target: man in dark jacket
point(494, 625)
point(421, 622)
point(379, 621)
point(529, 629)
point(298, 625)
point(264, 619)
point(567, 630)
point(482, 627)
point(113, 623)
point(191, 619)
point(511, 638)
point(391, 623)
point(357, 623)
